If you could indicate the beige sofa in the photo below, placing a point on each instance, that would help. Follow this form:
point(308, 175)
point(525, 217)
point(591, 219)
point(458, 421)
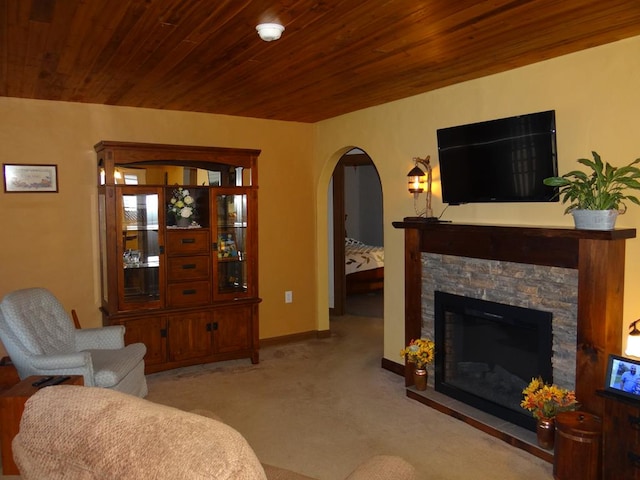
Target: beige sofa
point(74, 432)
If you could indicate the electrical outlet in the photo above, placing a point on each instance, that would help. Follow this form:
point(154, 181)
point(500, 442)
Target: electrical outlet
point(288, 296)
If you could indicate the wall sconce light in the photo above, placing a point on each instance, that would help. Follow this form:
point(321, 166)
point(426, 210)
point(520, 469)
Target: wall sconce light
point(633, 340)
point(270, 31)
point(419, 181)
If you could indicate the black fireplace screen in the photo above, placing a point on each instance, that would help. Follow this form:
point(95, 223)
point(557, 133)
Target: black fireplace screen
point(487, 353)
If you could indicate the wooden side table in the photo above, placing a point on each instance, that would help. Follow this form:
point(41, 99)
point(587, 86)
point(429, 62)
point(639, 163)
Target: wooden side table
point(11, 407)
point(8, 374)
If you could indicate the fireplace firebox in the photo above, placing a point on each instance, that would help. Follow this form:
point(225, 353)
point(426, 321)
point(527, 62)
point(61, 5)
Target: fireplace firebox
point(487, 353)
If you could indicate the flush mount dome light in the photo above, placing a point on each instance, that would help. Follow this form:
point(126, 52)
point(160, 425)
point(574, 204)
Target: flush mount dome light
point(270, 31)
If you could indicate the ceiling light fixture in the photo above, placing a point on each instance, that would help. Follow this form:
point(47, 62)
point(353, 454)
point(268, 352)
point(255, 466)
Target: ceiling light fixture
point(270, 31)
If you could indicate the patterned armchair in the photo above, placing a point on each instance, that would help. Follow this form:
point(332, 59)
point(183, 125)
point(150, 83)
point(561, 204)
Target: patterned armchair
point(41, 339)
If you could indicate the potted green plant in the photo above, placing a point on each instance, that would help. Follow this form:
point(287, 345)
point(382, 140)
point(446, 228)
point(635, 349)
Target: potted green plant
point(595, 199)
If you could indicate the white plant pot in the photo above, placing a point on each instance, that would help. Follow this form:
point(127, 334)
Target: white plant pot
point(595, 219)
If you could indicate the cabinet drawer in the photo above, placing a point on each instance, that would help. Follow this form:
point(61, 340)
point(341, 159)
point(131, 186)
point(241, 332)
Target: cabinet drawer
point(188, 242)
point(629, 437)
point(621, 440)
point(188, 268)
point(189, 294)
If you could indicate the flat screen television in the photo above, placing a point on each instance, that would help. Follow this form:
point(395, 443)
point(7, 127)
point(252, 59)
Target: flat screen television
point(503, 160)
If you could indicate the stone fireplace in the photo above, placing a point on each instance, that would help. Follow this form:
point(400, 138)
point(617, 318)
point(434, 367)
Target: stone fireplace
point(588, 267)
point(549, 289)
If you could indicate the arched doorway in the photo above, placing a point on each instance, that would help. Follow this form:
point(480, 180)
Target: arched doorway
point(356, 217)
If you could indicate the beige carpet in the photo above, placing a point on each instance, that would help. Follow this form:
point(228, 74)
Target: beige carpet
point(365, 304)
point(321, 407)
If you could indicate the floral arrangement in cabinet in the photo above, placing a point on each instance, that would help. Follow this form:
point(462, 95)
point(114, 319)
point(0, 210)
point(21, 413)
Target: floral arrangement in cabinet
point(182, 205)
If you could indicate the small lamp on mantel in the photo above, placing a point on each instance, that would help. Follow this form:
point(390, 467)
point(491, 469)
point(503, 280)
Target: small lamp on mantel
point(419, 181)
point(633, 340)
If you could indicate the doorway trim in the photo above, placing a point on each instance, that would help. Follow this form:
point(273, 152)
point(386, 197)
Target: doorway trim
point(339, 228)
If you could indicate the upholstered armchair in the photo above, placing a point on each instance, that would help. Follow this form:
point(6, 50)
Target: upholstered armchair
point(41, 339)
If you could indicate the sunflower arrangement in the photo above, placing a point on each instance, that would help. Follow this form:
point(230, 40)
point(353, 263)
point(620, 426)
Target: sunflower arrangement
point(420, 351)
point(545, 401)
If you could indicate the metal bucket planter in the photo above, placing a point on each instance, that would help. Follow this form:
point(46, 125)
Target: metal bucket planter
point(595, 219)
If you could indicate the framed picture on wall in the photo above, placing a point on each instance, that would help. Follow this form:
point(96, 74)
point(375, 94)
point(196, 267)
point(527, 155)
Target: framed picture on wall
point(19, 178)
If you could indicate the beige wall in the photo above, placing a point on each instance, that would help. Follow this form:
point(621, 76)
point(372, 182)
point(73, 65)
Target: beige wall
point(596, 98)
point(50, 239)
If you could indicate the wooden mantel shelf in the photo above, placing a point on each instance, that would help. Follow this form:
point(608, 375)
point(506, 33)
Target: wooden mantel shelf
point(551, 246)
point(599, 257)
point(530, 230)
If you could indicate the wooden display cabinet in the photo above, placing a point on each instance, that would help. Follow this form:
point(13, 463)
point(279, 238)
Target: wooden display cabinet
point(190, 294)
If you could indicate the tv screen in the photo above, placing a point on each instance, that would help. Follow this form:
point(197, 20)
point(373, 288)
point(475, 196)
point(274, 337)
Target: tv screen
point(502, 160)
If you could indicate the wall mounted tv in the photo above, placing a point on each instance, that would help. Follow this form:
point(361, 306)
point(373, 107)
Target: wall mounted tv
point(502, 160)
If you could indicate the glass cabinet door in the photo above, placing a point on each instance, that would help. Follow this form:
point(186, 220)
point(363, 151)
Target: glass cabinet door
point(231, 234)
point(139, 248)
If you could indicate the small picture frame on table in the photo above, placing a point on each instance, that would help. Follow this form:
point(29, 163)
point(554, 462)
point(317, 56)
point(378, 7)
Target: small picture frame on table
point(623, 377)
point(21, 178)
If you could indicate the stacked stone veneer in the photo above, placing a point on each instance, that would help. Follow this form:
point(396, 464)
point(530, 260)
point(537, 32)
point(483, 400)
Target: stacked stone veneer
point(551, 289)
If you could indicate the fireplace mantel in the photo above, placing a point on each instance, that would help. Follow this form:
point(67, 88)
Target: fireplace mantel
point(599, 257)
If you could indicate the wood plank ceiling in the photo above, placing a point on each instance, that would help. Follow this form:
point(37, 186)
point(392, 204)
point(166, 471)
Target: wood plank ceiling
point(335, 56)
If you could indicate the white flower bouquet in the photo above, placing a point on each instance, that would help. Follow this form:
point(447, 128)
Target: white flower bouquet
point(182, 204)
